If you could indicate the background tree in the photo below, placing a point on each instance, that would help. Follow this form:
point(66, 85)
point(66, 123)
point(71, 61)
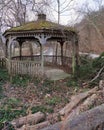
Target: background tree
point(91, 27)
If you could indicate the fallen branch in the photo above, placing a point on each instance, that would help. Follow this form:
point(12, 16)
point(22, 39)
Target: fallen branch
point(75, 100)
point(82, 107)
point(98, 74)
point(88, 102)
point(29, 119)
point(35, 127)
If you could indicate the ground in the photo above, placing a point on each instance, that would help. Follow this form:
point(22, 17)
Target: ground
point(21, 95)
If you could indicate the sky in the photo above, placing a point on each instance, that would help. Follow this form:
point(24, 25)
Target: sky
point(68, 13)
point(72, 16)
point(68, 16)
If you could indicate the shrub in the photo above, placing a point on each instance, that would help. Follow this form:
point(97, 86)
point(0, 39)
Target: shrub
point(21, 81)
point(99, 62)
point(3, 75)
point(86, 70)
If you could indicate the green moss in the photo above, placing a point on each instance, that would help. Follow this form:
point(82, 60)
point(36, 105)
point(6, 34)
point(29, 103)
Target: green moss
point(34, 25)
point(39, 25)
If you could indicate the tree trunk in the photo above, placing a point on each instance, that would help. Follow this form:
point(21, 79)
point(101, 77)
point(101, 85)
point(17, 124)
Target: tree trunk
point(35, 127)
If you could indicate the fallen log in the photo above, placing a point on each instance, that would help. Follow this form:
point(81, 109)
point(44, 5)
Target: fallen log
point(86, 121)
point(57, 126)
point(89, 102)
point(35, 127)
point(75, 100)
point(29, 119)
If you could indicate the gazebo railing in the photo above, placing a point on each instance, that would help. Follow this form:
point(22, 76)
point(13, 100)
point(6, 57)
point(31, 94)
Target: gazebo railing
point(27, 58)
point(48, 59)
point(23, 67)
point(31, 65)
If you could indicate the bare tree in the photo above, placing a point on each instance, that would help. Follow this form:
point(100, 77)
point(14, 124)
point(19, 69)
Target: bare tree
point(12, 13)
point(92, 24)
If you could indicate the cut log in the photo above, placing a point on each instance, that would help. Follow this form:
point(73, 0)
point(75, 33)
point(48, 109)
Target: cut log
point(86, 121)
point(29, 119)
point(89, 102)
point(82, 107)
point(75, 100)
point(35, 127)
point(57, 126)
point(101, 84)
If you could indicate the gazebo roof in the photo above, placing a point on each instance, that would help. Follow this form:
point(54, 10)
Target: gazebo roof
point(40, 24)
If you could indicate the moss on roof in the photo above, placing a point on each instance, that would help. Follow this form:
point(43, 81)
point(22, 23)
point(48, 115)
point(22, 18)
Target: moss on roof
point(35, 25)
point(39, 25)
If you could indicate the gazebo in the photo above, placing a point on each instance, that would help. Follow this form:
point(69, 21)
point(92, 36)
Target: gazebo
point(40, 32)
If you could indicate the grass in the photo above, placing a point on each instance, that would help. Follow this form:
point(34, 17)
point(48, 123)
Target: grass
point(20, 81)
point(53, 101)
point(42, 108)
point(7, 115)
point(12, 103)
point(4, 77)
point(10, 114)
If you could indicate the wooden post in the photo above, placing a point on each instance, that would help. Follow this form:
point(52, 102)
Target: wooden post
point(42, 39)
point(6, 49)
point(75, 55)
point(73, 58)
point(13, 53)
point(20, 49)
point(42, 58)
point(20, 41)
point(31, 50)
point(56, 52)
point(62, 43)
point(77, 52)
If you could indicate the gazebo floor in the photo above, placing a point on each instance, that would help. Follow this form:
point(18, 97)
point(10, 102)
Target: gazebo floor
point(55, 73)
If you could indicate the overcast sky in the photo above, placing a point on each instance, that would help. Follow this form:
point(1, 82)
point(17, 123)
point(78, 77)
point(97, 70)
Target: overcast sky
point(71, 15)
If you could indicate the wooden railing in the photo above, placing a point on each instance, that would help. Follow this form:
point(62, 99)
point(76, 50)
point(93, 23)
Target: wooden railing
point(27, 58)
point(23, 67)
point(2, 63)
point(55, 60)
point(32, 65)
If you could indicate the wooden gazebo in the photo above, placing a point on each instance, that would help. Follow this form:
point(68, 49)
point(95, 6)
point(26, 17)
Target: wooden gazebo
point(40, 31)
